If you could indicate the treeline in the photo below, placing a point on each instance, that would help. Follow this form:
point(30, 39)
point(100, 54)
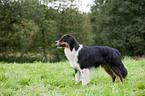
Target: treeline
point(29, 29)
point(120, 24)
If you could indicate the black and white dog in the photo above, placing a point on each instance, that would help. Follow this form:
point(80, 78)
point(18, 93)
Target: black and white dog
point(81, 58)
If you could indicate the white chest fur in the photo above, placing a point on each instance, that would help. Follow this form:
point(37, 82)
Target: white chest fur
point(72, 56)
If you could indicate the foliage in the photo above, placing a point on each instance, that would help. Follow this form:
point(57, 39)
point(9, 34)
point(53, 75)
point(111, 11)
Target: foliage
point(30, 27)
point(58, 79)
point(120, 24)
point(21, 59)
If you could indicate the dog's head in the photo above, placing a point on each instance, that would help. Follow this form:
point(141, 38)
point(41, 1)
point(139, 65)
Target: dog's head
point(66, 41)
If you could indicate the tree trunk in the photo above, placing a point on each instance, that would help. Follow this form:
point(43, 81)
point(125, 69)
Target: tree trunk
point(43, 46)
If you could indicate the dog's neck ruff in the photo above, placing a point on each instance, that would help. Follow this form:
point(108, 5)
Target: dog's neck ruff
point(72, 56)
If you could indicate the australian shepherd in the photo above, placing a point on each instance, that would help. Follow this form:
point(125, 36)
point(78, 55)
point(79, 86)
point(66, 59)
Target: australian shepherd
point(82, 58)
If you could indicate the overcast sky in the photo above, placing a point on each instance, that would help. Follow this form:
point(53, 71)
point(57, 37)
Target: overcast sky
point(85, 5)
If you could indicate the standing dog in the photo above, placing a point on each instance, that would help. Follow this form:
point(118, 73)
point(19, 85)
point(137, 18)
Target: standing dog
point(81, 58)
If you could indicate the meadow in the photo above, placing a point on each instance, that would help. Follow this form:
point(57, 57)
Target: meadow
point(57, 79)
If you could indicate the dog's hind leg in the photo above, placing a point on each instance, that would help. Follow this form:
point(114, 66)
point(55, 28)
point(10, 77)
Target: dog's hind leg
point(107, 69)
point(88, 75)
point(117, 72)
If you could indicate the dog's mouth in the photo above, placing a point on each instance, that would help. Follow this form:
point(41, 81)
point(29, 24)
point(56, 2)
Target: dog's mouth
point(57, 44)
point(60, 44)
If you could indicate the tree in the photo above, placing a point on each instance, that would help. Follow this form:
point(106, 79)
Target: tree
point(23, 29)
point(29, 27)
point(9, 17)
point(120, 24)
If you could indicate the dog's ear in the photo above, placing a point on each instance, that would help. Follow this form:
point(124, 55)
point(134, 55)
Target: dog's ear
point(72, 44)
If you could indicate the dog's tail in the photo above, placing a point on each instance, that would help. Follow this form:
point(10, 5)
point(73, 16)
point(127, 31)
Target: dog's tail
point(123, 70)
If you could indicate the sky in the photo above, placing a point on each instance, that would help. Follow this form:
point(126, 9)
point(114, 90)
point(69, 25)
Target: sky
point(85, 5)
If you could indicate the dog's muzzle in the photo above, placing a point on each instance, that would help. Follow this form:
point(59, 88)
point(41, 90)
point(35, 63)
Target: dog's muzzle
point(58, 44)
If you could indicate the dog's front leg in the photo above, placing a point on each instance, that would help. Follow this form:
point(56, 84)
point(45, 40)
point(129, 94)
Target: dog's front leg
point(85, 73)
point(77, 77)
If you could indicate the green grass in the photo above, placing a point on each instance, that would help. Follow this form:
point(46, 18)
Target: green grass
point(57, 79)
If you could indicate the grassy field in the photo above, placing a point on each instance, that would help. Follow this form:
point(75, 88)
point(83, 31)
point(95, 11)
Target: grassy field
point(57, 79)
